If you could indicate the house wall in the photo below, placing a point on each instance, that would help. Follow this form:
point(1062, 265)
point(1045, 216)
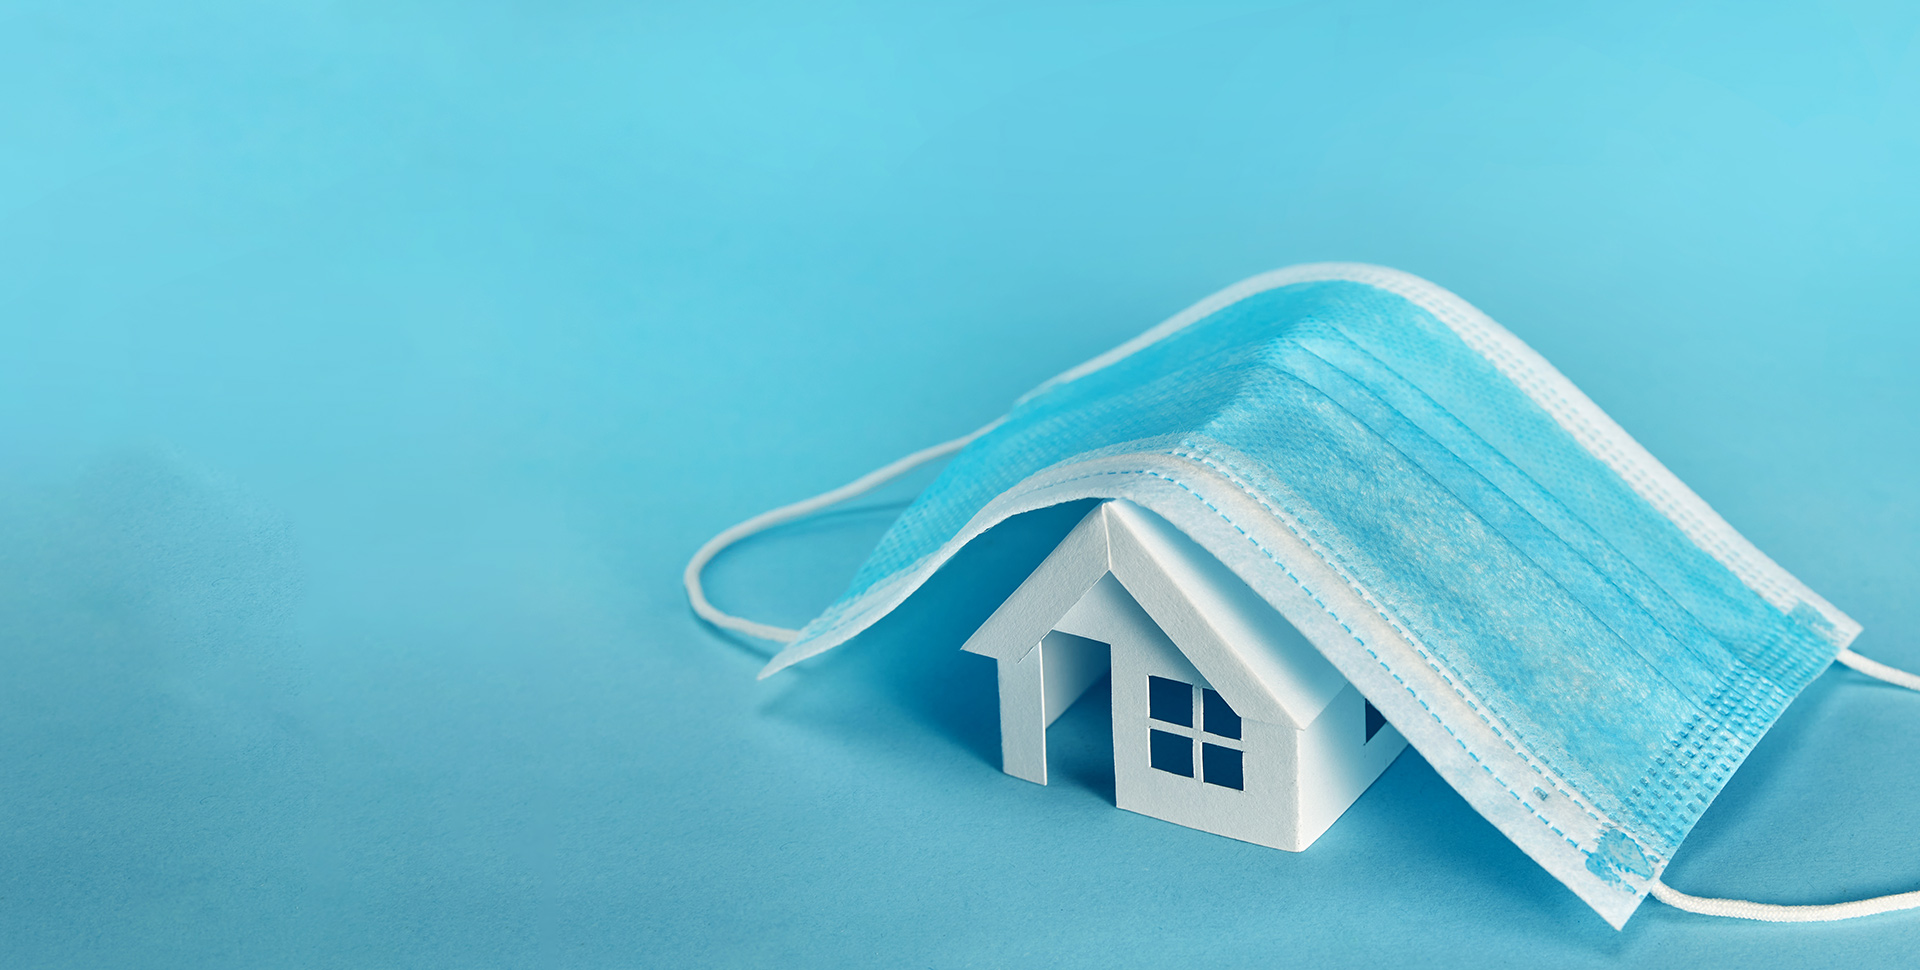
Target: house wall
point(1337, 762)
point(1263, 813)
point(1070, 665)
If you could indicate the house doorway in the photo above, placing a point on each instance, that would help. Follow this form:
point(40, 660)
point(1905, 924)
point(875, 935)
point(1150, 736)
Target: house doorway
point(1080, 740)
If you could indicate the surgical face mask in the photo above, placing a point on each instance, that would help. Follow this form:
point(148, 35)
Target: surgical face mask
point(1567, 633)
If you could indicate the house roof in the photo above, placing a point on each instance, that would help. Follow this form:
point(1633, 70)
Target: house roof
point(1247, 651)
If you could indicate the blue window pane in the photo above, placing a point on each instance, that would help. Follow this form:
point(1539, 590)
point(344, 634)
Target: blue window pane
point(1375, 721)
point(1222, 767)
point(1170, 701)
point(1171, 752)
point(1221, 720)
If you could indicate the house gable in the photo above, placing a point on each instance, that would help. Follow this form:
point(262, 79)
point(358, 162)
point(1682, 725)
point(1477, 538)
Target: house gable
point(1251, 654)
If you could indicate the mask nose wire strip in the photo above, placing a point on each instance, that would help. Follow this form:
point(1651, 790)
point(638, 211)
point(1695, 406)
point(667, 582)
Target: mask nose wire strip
point(1745, 909)
point(697, 595)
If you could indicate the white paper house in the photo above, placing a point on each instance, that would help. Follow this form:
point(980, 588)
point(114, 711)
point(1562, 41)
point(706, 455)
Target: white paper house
point(1225, 718)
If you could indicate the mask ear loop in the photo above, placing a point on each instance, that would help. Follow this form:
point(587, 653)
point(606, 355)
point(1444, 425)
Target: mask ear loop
point(697, 595)
point(1771, 913)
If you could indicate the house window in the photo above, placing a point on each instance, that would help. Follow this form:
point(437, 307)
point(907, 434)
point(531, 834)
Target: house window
point(1171, 702)
point(1222, 766)
point(1221, 720)
point(1375, 721)
point(1171, 752)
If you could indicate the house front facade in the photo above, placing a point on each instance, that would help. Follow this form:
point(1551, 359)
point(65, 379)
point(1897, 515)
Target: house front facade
point(1225, 719)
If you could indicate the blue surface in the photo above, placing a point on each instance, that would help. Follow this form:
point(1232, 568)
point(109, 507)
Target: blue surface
point(371, 370)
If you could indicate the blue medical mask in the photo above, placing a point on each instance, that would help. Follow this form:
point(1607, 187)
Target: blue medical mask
point(1571, 637)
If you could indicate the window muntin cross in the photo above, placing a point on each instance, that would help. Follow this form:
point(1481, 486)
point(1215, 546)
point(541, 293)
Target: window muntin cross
point(1171, 702)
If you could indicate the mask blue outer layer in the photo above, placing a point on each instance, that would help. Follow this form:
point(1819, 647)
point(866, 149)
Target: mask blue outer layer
point(1587, 661)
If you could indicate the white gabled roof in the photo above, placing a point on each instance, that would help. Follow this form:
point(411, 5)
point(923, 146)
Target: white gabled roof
point(1263, 666)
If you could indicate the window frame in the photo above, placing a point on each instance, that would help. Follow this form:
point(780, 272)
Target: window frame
point(1200, 738)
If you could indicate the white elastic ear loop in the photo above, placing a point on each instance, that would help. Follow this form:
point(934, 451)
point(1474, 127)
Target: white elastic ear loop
point(787, 513)
point(1744, 909)
point(1876, 669)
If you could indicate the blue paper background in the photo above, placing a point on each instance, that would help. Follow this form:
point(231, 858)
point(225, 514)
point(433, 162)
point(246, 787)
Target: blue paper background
point(370, 369)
